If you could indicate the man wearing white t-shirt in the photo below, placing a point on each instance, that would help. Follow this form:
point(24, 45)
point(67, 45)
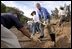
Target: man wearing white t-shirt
point(62, 15)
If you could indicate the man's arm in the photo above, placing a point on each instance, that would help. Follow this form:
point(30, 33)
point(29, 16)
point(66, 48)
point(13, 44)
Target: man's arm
point(46, 13)
point(19, 26)
point(25, 31)
point(39, 16)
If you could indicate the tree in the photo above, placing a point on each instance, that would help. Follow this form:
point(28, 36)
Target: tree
point(55, 13)
point(21, 17)
point(3, 8)
point(15, 10)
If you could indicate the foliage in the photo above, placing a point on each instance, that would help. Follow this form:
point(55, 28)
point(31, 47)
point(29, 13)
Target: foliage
point(21, 17)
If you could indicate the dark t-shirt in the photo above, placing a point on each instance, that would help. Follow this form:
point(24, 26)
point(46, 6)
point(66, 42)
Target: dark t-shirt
point(9, 20)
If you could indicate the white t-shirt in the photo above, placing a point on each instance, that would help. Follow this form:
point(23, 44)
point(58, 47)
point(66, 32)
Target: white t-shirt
point(61, 12)
point(36, 18)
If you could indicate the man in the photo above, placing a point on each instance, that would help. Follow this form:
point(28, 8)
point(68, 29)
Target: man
point(44, 17)
point(7, 37)
point(62, 14)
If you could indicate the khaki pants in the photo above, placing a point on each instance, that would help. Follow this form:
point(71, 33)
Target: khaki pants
point(8, 38)
point(62, 19)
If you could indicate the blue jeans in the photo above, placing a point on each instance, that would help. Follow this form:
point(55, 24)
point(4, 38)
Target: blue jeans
point(38, 27)
point(62, 19)
point(34, 28)
point(41, 26)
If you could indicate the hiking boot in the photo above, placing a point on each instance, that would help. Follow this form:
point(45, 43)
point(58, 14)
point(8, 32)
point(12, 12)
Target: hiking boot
point(52, 37)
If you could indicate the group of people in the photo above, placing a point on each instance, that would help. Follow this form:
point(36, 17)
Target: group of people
point(41, 18)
